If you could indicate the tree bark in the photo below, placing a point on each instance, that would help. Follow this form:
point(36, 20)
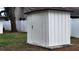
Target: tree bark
point(13, 21)
point(13, 25)
point(10, 13)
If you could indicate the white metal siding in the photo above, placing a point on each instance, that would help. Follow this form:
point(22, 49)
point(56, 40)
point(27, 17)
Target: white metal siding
point(45, 28)
point(39, 34)
point(29, 31)
point(75, 27)
point(50, 28)
point(37, 28)
point(59, 28)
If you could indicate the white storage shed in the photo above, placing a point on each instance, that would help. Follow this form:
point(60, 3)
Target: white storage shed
point(75, 27)
point(48, 27)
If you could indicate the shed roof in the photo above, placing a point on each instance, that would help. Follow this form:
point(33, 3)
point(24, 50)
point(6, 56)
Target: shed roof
point(34, 9)
point(75, 13)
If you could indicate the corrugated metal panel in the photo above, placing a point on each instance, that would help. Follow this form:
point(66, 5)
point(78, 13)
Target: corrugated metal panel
point(50, 28)
point(45, 29)
point(68, 28)
point(39, 33)
point(29, 30)
point(37, 28)
point(75, 28)
point(59, 28)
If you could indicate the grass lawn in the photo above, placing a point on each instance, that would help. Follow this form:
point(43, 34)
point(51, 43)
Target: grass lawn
point(12, 39)
point(16, 41)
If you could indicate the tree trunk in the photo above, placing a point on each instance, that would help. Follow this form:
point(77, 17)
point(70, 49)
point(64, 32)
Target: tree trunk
point(13, 25)
point(10, 13)
point(13, 21)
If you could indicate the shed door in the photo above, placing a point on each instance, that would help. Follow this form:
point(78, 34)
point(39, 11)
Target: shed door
point(36, 28)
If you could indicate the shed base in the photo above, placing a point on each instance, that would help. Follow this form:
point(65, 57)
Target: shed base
point(59, 46)
point(53, 47)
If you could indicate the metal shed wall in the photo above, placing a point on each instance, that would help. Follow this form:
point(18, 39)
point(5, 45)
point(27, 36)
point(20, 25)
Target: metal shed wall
point(50, 28)
point(59, 28)
point(39, 34)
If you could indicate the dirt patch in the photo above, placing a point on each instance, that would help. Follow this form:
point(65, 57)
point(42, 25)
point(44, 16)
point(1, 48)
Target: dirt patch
point(71, 48)
point(27, 47)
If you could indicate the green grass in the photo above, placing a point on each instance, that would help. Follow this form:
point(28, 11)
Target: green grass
point(12, 39)
point(15, 41)
point(19, 39)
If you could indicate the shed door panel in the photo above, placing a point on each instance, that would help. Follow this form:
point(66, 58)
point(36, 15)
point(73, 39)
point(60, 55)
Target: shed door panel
point(36, 28)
